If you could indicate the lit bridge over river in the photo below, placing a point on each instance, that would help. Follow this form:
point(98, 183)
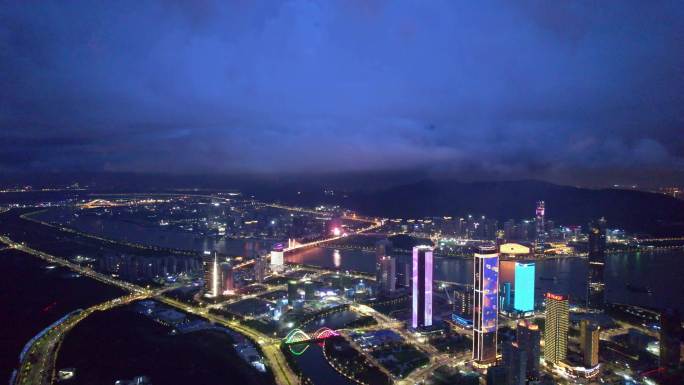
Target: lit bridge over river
point(298, 340)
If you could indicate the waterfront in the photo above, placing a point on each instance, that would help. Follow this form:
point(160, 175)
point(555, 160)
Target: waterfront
point(150, 234)
point(35, 295)
point(313, 363)
point(315, 366)
point(655, 270)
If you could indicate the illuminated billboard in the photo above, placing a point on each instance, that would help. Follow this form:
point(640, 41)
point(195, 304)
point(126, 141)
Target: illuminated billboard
point(490, 294)
point(523, 299)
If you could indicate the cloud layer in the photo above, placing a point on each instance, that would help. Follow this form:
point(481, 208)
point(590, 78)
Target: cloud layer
point(502, 89)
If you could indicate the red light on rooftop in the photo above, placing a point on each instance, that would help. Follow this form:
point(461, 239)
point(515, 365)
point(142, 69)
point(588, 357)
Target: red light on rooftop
point(557, 297)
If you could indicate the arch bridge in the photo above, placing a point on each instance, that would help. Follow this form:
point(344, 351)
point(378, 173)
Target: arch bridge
point(298, 340)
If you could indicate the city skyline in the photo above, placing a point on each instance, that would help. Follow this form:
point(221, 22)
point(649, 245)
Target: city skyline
point(357, 192)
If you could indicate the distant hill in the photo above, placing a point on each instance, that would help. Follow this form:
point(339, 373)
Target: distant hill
point(634, 211)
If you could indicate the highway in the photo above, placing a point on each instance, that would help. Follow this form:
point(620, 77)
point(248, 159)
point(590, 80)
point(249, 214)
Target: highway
point(85, 271)
point(270, 347)
point(39, 364)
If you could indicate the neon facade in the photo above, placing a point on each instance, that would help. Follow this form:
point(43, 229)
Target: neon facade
point(421, 314)
point(486, 309)
point(524, 287)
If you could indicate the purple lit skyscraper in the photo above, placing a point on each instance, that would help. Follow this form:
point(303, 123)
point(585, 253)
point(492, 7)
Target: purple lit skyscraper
point(422, 287)
point(485, 309)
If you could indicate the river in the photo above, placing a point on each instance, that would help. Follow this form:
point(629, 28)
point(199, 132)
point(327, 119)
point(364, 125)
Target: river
point(658, 270)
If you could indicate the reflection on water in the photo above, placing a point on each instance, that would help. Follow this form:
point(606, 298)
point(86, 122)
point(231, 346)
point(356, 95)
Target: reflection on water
point(332, 321)
point(313, 365)
point(659, 271)
point(337, 259)
point(118, 229)
point(312, 362)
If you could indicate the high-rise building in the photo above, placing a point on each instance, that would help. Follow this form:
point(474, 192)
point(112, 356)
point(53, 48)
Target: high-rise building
point(422, 287)
point(556, 329)
point(523, 300)
point(509, 230)
point(227, 278)
point(597, 260)
point(515, 362)
point(539, 220)
point(589, 343)
point(292, 291)
point(485, 304)
point(528, 337)
point(463, 303)
point(309, 291)
point(277, 257)
point(496, 375)
point(211, 277)
point(506, 298)
point(386, 267)
point(259, 269)
point(670, 339)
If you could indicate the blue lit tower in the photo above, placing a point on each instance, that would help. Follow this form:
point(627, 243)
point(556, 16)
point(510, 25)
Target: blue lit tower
point(422, 287)
point(485, 309)
point(523, 300)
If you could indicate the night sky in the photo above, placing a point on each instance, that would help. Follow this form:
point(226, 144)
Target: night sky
point(573, 92)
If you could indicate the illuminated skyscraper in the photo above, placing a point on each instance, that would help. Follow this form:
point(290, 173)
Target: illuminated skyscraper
point(227, 279)
point(422, 287)
point(485, 309)
point(277, 257)
point(292, 291)
point(597, 260)
point(523, 299)
point(463, 303)
point(556, 329)
point(589, 342)
point(539, 219)
point(386, 267)
point(259, 269)
point(211, 277)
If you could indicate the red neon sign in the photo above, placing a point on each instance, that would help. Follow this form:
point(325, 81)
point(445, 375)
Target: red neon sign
point(557, 297)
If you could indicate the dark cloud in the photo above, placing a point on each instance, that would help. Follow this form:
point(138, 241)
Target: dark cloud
point(566, 92)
